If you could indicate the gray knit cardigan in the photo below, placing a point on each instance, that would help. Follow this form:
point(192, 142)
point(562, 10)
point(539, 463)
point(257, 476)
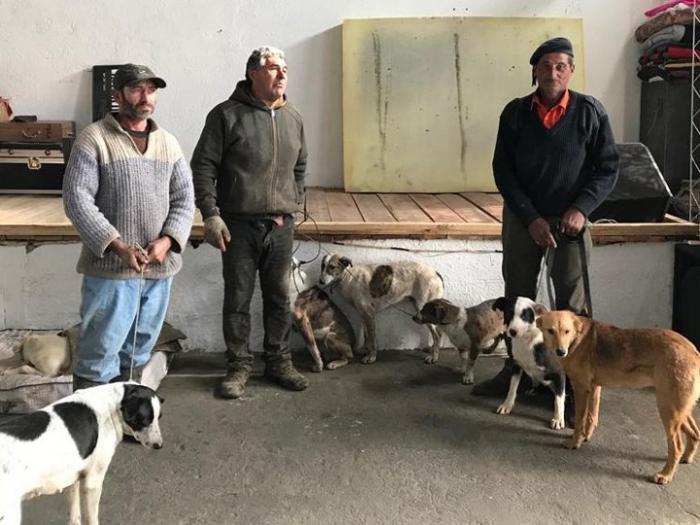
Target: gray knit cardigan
point(111, 190)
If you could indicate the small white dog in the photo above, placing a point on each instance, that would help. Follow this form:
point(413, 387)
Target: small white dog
point(70, 444)
point(371, 288)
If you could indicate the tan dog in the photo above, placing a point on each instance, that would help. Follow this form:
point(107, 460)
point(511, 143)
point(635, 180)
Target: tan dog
point(597, 354)
point(45, 354)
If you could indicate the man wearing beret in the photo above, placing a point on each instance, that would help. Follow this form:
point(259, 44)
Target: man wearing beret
point(128, 191)
point(555, 162)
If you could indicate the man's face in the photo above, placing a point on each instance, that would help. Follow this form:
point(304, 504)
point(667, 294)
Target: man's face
point(137, 101)
point(269, 81)
point(553, 72)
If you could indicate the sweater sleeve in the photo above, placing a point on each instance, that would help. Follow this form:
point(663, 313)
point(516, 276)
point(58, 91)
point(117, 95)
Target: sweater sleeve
point(504, 167)
point(605, 163)
point(178, 224)
point(300, 170)
point(80, 185)
point(206, 162)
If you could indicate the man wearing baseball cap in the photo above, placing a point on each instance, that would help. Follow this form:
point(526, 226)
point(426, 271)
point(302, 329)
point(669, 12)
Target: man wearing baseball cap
point(555, 162)
point(128, 191)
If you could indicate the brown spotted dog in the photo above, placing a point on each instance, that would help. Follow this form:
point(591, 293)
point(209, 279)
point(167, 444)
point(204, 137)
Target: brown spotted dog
point(371, 288)
point(596, 354)
point(326, 331)
point(474, 330)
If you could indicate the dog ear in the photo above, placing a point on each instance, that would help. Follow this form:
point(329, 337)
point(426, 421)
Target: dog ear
point(578, 325)
point(538, 322)
point(345, 261)
point(499, 304)
point(540, 309)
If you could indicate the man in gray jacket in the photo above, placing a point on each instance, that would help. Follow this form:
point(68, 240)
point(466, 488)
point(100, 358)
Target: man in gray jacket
point(248, 168)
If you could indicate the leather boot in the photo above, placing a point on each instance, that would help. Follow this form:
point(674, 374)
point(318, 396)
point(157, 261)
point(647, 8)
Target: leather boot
point(80, 383)
point(233, 384)
point(282, 372)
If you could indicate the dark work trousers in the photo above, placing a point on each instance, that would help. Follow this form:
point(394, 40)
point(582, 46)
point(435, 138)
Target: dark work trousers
point(257, 245)
point(522, 259)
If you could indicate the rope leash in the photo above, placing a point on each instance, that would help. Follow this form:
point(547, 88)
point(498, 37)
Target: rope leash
point(138, 312)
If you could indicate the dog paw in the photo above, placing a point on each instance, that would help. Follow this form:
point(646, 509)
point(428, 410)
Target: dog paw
point(430, 360)
point(660, 479)
point(369, 359)
point(557, 424)
point(468, 379)
point(504, 409)
point(317, 367)
point(573, 444)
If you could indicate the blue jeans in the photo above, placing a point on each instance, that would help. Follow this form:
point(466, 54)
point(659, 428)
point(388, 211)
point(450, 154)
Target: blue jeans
point(108, 314)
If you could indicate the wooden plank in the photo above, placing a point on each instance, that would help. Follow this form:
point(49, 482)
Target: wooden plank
point(316, 204)
point(435, 208)
point(342, 207)
point(491, 203)
point(372, 208)
point(403, 208)
point(672, 218)
point(402, 229)
point(468, 211)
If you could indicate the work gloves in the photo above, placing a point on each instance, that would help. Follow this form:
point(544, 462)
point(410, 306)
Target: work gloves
point(216, 232)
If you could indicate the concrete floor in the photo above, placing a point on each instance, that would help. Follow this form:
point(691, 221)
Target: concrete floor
point(398, 442)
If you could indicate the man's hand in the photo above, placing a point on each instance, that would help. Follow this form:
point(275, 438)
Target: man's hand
point(541, 233)
point(157, 250)
point(216, 233)
point(133, 258)
point(572, 222)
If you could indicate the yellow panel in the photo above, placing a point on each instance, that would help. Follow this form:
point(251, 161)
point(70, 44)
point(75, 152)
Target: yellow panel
point(422, 96)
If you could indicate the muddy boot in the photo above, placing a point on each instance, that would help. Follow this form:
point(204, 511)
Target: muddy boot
point(233, 385)
point(498, 385)
point(282, 372)
point(80, 382)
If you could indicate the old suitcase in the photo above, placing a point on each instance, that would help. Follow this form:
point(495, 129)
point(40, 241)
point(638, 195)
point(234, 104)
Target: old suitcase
point(33, 155)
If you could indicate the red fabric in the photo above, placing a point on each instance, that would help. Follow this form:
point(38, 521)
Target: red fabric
point(550, 117)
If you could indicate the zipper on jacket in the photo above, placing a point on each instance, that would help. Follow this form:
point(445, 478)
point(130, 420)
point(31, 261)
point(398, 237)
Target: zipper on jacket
point(273, 178)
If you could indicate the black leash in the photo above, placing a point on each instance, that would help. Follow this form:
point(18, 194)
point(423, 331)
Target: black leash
point(549, 260)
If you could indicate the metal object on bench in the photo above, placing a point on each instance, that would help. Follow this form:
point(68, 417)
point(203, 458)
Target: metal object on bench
point(641, 193)
point(33, 155)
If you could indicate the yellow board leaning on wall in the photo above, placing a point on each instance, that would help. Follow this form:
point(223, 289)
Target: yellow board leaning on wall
point(422, 96)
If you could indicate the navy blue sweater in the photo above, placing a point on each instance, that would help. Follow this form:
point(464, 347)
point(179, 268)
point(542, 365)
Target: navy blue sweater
point(542, 172)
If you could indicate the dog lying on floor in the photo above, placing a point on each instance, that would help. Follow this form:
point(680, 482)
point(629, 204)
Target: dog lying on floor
point(530, 355)
point(473, 330)
point(69, 445)
point(321, 323)
point(596, 354)
point(371, 288)
point(45, 354)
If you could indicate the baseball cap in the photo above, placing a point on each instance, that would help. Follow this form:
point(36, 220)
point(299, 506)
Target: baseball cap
point(135, 72)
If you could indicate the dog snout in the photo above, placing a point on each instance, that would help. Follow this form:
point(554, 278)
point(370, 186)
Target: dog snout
point(158, 445)
point(561, 352)
point(512, 332)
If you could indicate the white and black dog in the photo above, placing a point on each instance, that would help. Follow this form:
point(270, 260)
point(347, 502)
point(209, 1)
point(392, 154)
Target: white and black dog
point(526, 348)
point(371, 288)
point(69, 445)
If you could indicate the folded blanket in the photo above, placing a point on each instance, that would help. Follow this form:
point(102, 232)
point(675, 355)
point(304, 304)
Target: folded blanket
point(665, 19)
point(676, 34)
point(668, 5)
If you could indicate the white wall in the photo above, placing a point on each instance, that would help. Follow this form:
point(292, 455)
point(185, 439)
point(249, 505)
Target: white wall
point(631, 286)
point(200, 48)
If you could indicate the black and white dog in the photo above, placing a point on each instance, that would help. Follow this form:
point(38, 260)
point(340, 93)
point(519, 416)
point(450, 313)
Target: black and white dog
point(69, 445)
point(526, 348)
